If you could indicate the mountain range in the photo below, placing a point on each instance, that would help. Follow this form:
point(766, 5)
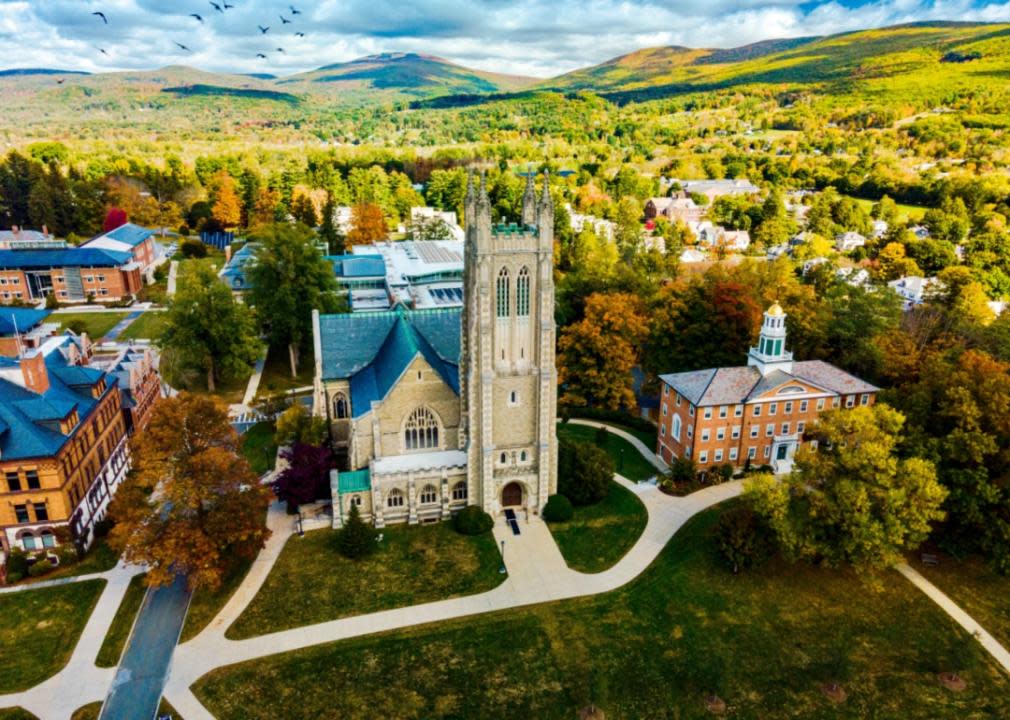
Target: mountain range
point(914, 54)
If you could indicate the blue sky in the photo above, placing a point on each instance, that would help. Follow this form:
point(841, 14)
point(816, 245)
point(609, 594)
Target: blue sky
point(532, 37)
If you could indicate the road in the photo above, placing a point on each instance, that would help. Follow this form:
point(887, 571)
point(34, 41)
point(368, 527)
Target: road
point(143, 670)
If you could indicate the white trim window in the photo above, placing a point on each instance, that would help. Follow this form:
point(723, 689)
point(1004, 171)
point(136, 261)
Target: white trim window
point(736, 432)
point(706, 435)
point(720, 434)
point(676, 427)
point(732, 454)
point(718, 456)
point(708, 413)
point(773, 408)
point(703, 457)
point(752, 453)
point(755, 430)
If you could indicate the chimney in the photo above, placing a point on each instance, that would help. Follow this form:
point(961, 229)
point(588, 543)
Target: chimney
point(45, 231)
point(33, 367)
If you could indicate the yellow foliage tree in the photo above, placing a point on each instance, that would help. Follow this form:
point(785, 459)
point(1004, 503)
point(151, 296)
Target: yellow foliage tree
point(227, 206)
point(192, 504)
point(596, 354)
point(367, 224)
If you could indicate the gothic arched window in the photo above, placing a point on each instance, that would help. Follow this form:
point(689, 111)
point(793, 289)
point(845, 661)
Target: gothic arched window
point(429, 495)
point(523, 293)
point(394, 498)
point(504, 294)
point(421, 430)
point(340, 407)
point(459, 491)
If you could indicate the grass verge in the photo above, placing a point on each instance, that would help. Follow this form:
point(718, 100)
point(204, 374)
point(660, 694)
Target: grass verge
point(206, 604)
point(122, 623)
point(627, 460)
point(96, 324)
point(259, 448)
point(599, 535)
point(312, 583)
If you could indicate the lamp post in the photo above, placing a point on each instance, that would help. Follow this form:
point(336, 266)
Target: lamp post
point(501, 570)
point(621, 461)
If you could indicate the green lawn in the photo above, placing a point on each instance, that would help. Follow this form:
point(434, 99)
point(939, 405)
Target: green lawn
point(206, 604)
point(982, 593)
point(95, 324)
point(647, 437)
point(259, 447)
point(312, 582)
point(122, 623)
point(39, 629)
point(913, 213)
point(147, 327)
point(22, 714)
point(90, 711)
point(632, 465)
point(762, 640)
point(600, 535)
point(277, 374)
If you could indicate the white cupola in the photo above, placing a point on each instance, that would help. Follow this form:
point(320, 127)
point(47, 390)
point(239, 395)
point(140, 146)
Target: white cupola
point(771, 354)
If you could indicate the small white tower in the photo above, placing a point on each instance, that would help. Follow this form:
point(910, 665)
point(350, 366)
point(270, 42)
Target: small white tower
point(771, 354)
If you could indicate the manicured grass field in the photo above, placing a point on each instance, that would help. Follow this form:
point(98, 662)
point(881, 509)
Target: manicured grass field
point(632, 465)
point(122, 623)
point(95, 324)
point(100, 558)
point(259, 448)
point(147, 327)
point(982, 593)
point(913, 213)
point(206, 604)
point(19, 714)
point(312, 582)
point(762, 640)
point(90, 711)
point(600, 535)
point(39, 629)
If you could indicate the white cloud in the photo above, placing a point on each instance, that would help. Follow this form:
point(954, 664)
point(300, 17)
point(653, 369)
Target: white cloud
point(533, 37)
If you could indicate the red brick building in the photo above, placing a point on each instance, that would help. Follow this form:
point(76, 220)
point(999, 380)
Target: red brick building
point(757, 413)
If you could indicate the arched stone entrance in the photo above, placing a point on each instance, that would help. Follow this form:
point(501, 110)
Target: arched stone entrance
point(512, 495)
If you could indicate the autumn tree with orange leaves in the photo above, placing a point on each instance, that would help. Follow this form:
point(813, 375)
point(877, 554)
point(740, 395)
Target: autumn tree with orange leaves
point(367, 224)
point(191, 506)
point(596, 354)
point(227, 205)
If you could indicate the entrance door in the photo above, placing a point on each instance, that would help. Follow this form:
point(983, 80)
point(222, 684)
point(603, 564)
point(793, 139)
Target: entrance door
point(512, 495)
point(782, 453)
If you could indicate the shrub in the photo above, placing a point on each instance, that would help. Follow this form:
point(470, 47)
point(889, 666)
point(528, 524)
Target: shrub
point(51, 302)
point(601, 437)
point(584, 472)
point(472, 520)
point(742, 538)
point(558, 509)
point(683, 471)
point(77, 326)
point(193, 249)
point(357, 538)
point(724, 472)
point(104, 526)
point(17, 565)
point(67, 555)
point(40, 567)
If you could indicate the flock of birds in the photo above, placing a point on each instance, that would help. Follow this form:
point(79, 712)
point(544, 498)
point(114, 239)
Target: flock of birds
point(220, 7)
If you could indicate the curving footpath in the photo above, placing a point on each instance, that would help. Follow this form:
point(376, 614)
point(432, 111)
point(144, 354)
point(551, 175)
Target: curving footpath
point(537, 574)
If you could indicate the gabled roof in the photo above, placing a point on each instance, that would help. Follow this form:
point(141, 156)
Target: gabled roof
point(128, 234)
point(14, 320)
point(372, 350)
point(734, 385)
point(67, 257)
point(26, 416)
point(356, 266)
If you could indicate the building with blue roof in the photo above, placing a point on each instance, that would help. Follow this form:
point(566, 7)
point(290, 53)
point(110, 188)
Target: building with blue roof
point(62, 445)
point(71, 274)
point(448, 398)
point(23, 329)
point(136, 241)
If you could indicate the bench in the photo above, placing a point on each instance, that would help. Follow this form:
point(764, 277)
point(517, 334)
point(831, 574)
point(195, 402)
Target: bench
point(930, 560)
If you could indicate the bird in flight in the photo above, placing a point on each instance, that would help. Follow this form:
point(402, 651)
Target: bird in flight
point(228, 7)
point(198, 17)
point(102, 50)
point(102, 15)
point(300, 34)
point(183, 47)
point(261, 55)
point(217, 7)
point(285, 21)
point(295, 11)
point(263, 30)
point(280, 50)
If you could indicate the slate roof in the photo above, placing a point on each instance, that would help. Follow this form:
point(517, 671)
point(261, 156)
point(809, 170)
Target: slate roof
point(22, 410)
point(734, 385)
point(130, 234)
point(372, 350)
point(67, 257)
point(20, 319)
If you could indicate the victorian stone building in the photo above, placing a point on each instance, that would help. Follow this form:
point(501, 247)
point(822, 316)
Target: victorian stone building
point(438, 409)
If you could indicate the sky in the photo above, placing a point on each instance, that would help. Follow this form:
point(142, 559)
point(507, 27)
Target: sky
point(541, 38)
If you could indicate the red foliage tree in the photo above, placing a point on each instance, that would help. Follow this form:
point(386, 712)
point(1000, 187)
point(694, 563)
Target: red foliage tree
point(116, 217)
point(307, 476)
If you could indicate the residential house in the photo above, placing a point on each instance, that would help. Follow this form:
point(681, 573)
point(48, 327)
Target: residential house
point(20, 239)
point(713, 189)
point(757, 414)
point(63, 445)
point(913, 290)
point(605, 229)
point(676, 208)
point(426, 223)
point(848, 241)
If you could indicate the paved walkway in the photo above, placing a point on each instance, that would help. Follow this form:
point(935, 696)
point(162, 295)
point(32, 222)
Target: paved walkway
point(136, 690)
point(120, 327)
point(250, 391)
point(647, 452)
point(80, 682)
point(991, 644)
point(173, 273)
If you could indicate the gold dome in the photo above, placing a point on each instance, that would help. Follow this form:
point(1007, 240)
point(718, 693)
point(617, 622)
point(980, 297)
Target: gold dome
point(776, 310)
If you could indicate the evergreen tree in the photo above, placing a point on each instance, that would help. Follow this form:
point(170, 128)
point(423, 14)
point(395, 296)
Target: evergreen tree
point(357, 538)
point(328, 229)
